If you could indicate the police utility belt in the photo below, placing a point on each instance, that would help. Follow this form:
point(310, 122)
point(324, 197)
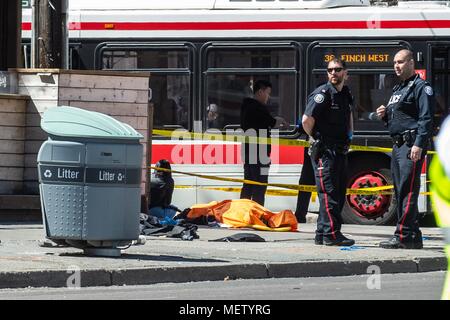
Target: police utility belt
point(408, 137)
point(318, 147)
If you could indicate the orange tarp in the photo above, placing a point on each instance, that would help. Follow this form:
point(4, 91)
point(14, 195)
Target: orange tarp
point(245, 213)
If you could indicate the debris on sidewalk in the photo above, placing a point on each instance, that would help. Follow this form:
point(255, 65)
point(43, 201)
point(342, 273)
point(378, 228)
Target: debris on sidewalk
point(241, 237)
point(150, 225)
point(140, 241)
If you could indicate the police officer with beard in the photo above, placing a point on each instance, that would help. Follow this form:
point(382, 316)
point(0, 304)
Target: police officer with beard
point(328, 120)
point(409, 118)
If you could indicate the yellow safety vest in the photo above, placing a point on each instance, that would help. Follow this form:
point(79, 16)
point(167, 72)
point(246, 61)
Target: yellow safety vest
point(440, 195)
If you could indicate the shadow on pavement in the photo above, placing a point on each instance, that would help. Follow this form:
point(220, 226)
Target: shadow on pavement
point(132, 256)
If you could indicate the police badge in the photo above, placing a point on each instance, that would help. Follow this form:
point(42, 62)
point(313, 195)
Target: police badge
point(319, 98)
point(428, 90)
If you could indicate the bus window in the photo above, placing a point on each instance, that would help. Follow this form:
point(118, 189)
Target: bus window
point(170, 80)
point(145, 59)
point(441, 84)
point(369, 92)
point(253, 58)
point(371, 76)
point(170, 98)
point(226, 92)
point(231, 72)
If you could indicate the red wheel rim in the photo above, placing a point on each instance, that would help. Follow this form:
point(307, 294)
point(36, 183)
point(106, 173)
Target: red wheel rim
point(369, 206)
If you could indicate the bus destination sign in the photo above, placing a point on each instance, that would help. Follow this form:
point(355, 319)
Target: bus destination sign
point(365, 57)
point(360, 58)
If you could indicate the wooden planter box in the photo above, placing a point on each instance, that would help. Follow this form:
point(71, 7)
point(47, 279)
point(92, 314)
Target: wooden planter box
point(122, 95)
point(12, 143)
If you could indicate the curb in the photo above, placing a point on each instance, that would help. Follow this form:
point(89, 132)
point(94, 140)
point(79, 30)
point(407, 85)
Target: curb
point(145, 276)
point(20, 208)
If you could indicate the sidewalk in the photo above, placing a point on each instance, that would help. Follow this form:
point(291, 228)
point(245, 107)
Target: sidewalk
point(284, 254)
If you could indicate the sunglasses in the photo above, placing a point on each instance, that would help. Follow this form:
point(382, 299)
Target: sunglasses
point(330, 70)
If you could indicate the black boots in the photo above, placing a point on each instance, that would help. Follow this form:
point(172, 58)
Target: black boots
point(340, 240)
point(394, 243)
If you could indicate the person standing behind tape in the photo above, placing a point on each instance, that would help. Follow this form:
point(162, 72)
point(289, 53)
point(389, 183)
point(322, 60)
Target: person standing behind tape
point(306, 178)
point(409, 118)
point(256, 121)
point(328, 121)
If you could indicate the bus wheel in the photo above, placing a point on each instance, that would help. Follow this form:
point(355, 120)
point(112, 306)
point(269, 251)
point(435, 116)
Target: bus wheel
point(376, 209)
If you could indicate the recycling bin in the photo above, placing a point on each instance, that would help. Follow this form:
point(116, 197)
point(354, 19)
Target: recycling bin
point(89, 180)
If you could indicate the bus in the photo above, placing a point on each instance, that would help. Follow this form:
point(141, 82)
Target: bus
point(204, 56)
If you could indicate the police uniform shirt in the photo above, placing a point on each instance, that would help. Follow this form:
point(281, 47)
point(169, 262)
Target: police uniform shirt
point(411, 107)
point(331, 110)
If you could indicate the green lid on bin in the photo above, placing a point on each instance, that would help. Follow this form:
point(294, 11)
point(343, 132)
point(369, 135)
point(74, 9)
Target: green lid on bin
point(75, 122)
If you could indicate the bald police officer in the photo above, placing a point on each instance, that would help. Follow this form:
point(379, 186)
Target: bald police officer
point(328, 121)
point(409, 117)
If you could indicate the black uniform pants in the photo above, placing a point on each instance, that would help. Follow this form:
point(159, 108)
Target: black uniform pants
point(406, 176)
point(331, 175)
point(255, 172)
point(306, 178)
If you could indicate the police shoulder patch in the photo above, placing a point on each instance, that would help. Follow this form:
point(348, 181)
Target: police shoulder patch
point(428, 90)
point(319, 98)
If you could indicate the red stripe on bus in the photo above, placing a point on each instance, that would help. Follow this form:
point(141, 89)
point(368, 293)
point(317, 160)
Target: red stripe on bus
point(219, 154)
point(255, 25)
point(286, 155)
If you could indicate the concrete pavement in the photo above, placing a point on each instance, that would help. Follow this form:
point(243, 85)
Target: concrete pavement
point(23, 263)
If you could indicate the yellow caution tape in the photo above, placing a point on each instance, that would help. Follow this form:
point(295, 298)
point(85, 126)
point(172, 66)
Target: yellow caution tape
point(304, 188)
point(370, 149)
point(251, 139)
point(211, 177)
point(289, 193)
point(270, 192)
point(229, 137)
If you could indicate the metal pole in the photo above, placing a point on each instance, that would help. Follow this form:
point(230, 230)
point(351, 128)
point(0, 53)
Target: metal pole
point(34, 33)
point(65, 34)
point(10, 33)
point(44, 40)
point(51, 38)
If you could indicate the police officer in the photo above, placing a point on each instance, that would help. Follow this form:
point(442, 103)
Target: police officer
point(409, 116)
point(328, 120)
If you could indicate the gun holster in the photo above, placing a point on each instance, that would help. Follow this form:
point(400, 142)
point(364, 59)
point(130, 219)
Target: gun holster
point(316, 150)
point(342, 148)
point(410, 137)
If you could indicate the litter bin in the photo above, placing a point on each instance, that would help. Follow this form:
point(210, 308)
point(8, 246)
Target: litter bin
point(89, 180)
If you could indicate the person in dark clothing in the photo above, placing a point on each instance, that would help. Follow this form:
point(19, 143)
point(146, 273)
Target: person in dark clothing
point(256, 121)
point(161, 190)
point(328, 121)
point(409, 118)
point(306, 178)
